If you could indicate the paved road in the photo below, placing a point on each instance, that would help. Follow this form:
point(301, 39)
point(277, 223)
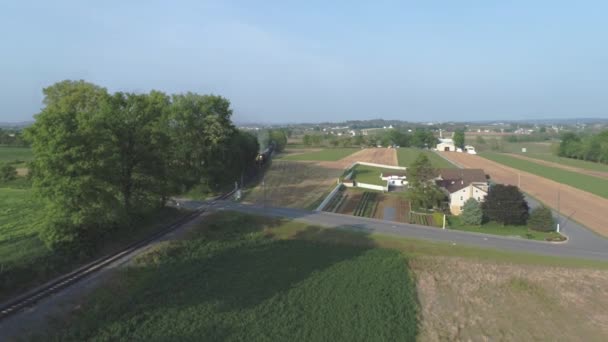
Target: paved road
point(582, 244)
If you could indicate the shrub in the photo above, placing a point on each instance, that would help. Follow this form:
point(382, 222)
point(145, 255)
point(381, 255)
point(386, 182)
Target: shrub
point(506, 204)
point(8, 172)
point(472, 213)
point(541, 219)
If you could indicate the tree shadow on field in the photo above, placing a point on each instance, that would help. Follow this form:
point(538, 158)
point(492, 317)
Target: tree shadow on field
point(206, 285)
point(252, 271)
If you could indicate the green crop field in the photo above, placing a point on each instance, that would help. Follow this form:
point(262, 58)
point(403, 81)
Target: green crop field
point(15, 153)
point(329, 154)
point(20, 247)
point(24, 259)
point(234, 280)
point(583, 164)
point(371, 175)
point(591, 184)
point(407, 156)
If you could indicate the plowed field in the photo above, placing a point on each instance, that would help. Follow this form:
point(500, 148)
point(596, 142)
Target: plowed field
point(386, 156)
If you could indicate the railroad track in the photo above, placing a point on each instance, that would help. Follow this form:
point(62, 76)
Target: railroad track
point(33, 296)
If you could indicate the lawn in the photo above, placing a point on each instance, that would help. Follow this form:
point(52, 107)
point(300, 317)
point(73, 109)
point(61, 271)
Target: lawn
point(583, 164)
point(498, 229)
point(8, 154)
point(237, 281)
point(328, 154)
point(406, 157)
point(587, 183)
point(371, 175)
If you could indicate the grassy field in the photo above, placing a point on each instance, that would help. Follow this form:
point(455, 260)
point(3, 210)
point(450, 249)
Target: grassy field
point(406, 157)
point(371, 175)
point(15, 153)
point(24, 259)
point(583, 164)
point(329, 154)
point(498, 229)
point(240, 282)
point(591, 184)
point(250, 278)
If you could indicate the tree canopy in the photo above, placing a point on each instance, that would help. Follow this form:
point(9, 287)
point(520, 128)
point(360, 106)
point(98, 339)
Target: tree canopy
point(586, 147)
point(506, 204)
point(103, 160)
point(459, 138)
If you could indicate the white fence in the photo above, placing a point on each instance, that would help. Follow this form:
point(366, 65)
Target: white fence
point(380, 165)
point(329, 197)
point(372, 186)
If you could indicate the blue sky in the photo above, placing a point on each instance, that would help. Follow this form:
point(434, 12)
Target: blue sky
point(294, 61)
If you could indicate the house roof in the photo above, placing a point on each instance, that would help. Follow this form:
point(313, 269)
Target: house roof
point(457, 179)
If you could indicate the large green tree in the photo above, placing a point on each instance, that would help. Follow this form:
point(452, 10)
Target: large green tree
point(506, 204)
point(459, 138)
point(472, 213)
point(423, 192)
point(69, 140)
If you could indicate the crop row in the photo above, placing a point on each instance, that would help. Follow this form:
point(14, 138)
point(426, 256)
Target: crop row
point(367, 205)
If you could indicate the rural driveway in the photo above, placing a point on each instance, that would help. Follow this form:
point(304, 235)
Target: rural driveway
point(579, 205)
point(585, 246)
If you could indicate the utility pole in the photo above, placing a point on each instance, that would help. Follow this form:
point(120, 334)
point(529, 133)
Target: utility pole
point(558, 211)
point(519, 180)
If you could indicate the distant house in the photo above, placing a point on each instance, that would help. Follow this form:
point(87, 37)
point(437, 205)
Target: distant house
point(470, 149)
point(462, 184)
point(446, 145)
point(394, 179)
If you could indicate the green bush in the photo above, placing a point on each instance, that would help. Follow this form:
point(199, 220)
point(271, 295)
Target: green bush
point(8, 172)
point(541, 219)
point(472, 213)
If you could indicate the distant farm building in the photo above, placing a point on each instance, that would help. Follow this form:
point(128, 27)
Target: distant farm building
point(394, 179)
point(446, 145)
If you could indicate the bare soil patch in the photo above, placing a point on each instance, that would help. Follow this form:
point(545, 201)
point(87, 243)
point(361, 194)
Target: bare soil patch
point(471, 300)
point(293, 184)
point(400, 205)
point(350, 204)
point(582, 206)
point(599, 174)
point(386, 156)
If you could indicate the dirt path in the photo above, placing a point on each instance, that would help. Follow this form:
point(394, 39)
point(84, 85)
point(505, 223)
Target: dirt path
point(387, 156)
point(599, 174)
point(582, 206)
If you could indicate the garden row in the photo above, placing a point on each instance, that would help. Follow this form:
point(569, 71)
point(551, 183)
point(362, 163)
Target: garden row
point(367, 205)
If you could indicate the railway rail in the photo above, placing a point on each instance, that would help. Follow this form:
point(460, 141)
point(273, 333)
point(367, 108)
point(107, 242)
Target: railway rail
point(33, 296)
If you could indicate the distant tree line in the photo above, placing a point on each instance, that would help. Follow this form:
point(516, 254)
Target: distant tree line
point(586, 147)
point(103, 161)
point(12, 137)
point(421, 138)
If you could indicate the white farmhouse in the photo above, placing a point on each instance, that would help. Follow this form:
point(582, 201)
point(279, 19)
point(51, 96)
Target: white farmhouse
point(462, 184)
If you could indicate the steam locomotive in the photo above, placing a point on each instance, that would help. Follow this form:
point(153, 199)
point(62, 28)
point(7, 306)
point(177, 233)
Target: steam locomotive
point(265, 156)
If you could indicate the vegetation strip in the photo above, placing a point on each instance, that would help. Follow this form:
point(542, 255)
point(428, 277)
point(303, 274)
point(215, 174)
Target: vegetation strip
point(587, 183)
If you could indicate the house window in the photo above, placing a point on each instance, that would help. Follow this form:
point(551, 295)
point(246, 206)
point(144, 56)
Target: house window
point(461, 198)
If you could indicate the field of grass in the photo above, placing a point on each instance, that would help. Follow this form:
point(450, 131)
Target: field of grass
point(239, 282)
point(498, 229)
point(371, 175)
point(587, 183)
point(24, 259)
point(407, 156)
point(583, 164)
point(8, 154)
point(328, 154)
